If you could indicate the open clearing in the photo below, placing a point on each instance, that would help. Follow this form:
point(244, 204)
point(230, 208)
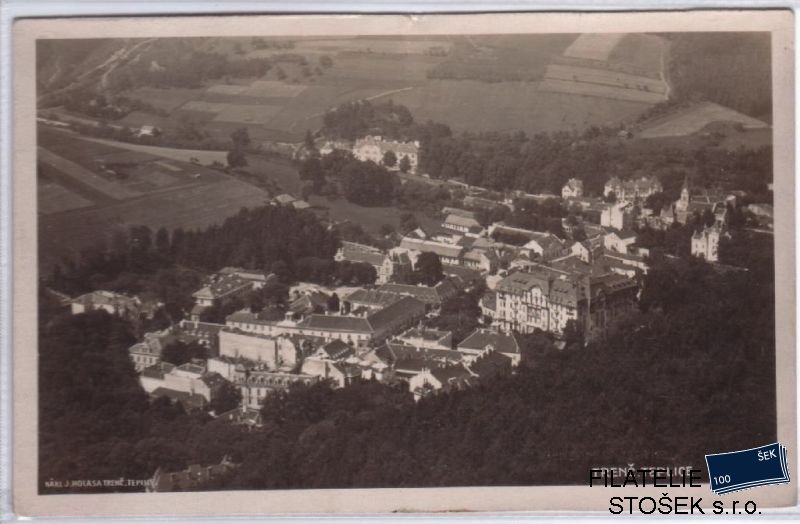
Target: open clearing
point(693, 119)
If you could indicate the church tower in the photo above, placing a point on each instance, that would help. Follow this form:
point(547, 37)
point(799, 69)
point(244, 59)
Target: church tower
point(683, 203)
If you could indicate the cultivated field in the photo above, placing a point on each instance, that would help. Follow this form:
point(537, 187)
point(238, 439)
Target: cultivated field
point(54, 197)
point(583, 83)
point(79, 204)
point(202, 156)
point(572, 87)
point(594, 46)
point(512, 106)
point(693, 119)
point(84, 176)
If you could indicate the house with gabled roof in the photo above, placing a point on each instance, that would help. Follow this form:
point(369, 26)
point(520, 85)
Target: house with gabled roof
point(430, 338)
point(220, 287)
point(374, 326)
point(482, 340)
point(148, 352)
point(462, 224)
point(572, 189)
point(430, 381)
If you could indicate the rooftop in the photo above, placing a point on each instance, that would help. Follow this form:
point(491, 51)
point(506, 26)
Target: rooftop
point(224, 286)
point(481, 339)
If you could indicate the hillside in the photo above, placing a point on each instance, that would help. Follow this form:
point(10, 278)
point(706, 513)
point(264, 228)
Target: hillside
point(730, 69)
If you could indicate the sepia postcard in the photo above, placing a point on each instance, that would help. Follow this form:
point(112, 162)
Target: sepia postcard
point(360, 264)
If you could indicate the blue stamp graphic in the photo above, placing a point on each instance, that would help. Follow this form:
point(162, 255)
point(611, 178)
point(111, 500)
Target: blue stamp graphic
point(748, 468)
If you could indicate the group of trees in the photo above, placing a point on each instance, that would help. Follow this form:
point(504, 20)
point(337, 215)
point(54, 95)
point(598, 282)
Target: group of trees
point(460, 314)
point(288, 242)
point(96, 421)
point(237, 156)
point(363, 183)
point(355, 119)
point(545, 162)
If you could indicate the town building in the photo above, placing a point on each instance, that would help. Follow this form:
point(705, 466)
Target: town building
point(405, 361)
point(363, 300)
point(588, 249)
point(448, 253)
point(549, 299)
point(205, 333)
point(258, 278)
point(329, 146)
point(309, 302)
point(188, 383)
point(450, 376)
point(132, 308)
point(619, 240)
point(428, 338)
point(387, 266)
point(192, 478)
point(256, 384)
point(633, 190)
point(432, 296)
point(482, 340)
point(544, 246)
point(219, 288)
point(699, 201)
point(705, 243)
point(148, 352)
point(466, 225)
point(441, 379)
point(572, 189)
point(618, 216)
point(373, 327)
point(274, 352)
point(374, 149)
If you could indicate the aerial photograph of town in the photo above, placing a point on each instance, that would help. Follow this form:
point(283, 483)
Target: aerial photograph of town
point(398, 261)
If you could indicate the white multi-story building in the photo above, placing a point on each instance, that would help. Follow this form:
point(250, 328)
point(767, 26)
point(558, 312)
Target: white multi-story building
point(617, 216)
point(374, 148)
point(705, 243)
point(633, 189)
point(572, 189)
point(548, 299)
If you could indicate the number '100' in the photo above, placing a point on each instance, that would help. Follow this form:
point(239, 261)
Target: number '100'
point(722, 479)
